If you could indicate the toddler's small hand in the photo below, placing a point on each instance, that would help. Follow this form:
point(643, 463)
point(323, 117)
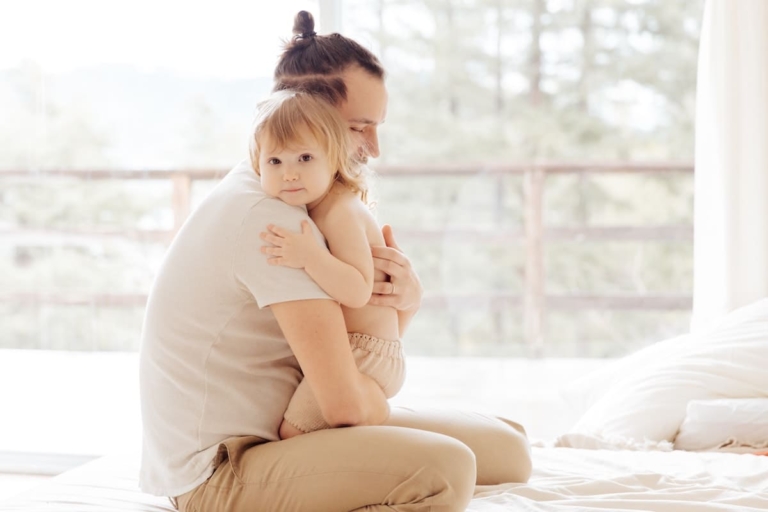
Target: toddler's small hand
point(289, 249)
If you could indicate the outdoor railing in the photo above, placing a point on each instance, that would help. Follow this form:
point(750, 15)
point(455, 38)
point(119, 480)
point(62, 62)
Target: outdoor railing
point(534, 236)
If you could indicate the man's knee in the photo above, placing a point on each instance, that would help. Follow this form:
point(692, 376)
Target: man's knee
point(455, 471)
point(515, 450)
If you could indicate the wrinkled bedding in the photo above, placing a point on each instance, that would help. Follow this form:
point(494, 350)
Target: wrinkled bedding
point(567, 479)
point(564, 479)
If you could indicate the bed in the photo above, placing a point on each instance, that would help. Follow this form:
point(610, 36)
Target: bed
point(707, 390)
point(568, 479)
point(564, 479)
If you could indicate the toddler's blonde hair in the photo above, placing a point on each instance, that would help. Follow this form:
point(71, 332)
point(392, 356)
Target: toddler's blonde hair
point(284, 114)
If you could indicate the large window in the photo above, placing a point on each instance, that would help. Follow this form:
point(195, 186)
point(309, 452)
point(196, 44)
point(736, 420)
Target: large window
point(102, 104)
point(97, 97)
point(536, 166)
point(553, 141)
point(536, 161)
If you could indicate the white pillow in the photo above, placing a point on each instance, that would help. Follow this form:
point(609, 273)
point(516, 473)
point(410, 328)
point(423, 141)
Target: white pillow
point(642, 399)
point(584, 392)
point(727, 424)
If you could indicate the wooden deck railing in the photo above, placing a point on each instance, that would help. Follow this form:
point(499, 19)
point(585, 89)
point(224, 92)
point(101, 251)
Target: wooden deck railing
point(534, 236)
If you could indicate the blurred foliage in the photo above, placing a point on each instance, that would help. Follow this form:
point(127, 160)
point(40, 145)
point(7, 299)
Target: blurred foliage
point(510, 80)
point(470, 81)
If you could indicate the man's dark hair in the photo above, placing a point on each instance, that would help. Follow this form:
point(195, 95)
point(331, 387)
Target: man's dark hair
point(314, 63)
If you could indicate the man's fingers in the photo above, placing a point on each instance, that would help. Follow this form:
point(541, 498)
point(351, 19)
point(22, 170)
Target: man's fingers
point(389, 267)
point(383, 300)
point(383, 288)
point(389, 237)
point(382, 254)
point(380, 287)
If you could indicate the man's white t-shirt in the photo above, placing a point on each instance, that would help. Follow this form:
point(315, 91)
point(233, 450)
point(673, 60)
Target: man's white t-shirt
point(214, 363)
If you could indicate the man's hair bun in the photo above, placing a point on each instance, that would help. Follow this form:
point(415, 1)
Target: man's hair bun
point(304, 26)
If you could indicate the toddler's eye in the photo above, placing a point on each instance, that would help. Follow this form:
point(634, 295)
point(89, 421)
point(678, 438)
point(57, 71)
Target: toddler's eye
point(273, 161)
point(305, 158)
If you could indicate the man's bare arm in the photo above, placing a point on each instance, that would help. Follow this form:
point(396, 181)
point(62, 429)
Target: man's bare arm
point(317, 335)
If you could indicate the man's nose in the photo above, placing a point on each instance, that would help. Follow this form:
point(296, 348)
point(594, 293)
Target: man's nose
point(372, 144)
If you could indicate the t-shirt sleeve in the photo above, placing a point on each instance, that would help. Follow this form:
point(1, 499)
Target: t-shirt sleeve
point(271, 284)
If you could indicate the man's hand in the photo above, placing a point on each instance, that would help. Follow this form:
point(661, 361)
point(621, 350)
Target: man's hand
point(290, 249)
point(403, 291)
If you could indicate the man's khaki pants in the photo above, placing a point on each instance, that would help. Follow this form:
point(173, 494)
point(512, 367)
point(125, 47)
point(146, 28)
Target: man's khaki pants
point(426, 460)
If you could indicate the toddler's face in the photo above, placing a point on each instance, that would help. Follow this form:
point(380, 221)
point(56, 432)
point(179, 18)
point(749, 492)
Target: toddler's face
point(299, 174)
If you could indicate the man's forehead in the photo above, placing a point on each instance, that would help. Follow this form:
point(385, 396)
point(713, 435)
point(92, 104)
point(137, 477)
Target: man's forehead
point(366, 98)
point(369, 110)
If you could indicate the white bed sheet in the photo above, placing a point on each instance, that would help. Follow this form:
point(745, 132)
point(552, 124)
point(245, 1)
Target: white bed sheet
point(567, 479)
point(564, 479)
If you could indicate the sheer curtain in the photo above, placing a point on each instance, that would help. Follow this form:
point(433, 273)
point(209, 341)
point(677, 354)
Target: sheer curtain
point(731, 190)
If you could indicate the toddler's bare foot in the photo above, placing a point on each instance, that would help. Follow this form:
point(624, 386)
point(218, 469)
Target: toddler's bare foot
point(288, 431)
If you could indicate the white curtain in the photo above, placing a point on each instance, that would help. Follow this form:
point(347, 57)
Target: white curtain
point(731, 178)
